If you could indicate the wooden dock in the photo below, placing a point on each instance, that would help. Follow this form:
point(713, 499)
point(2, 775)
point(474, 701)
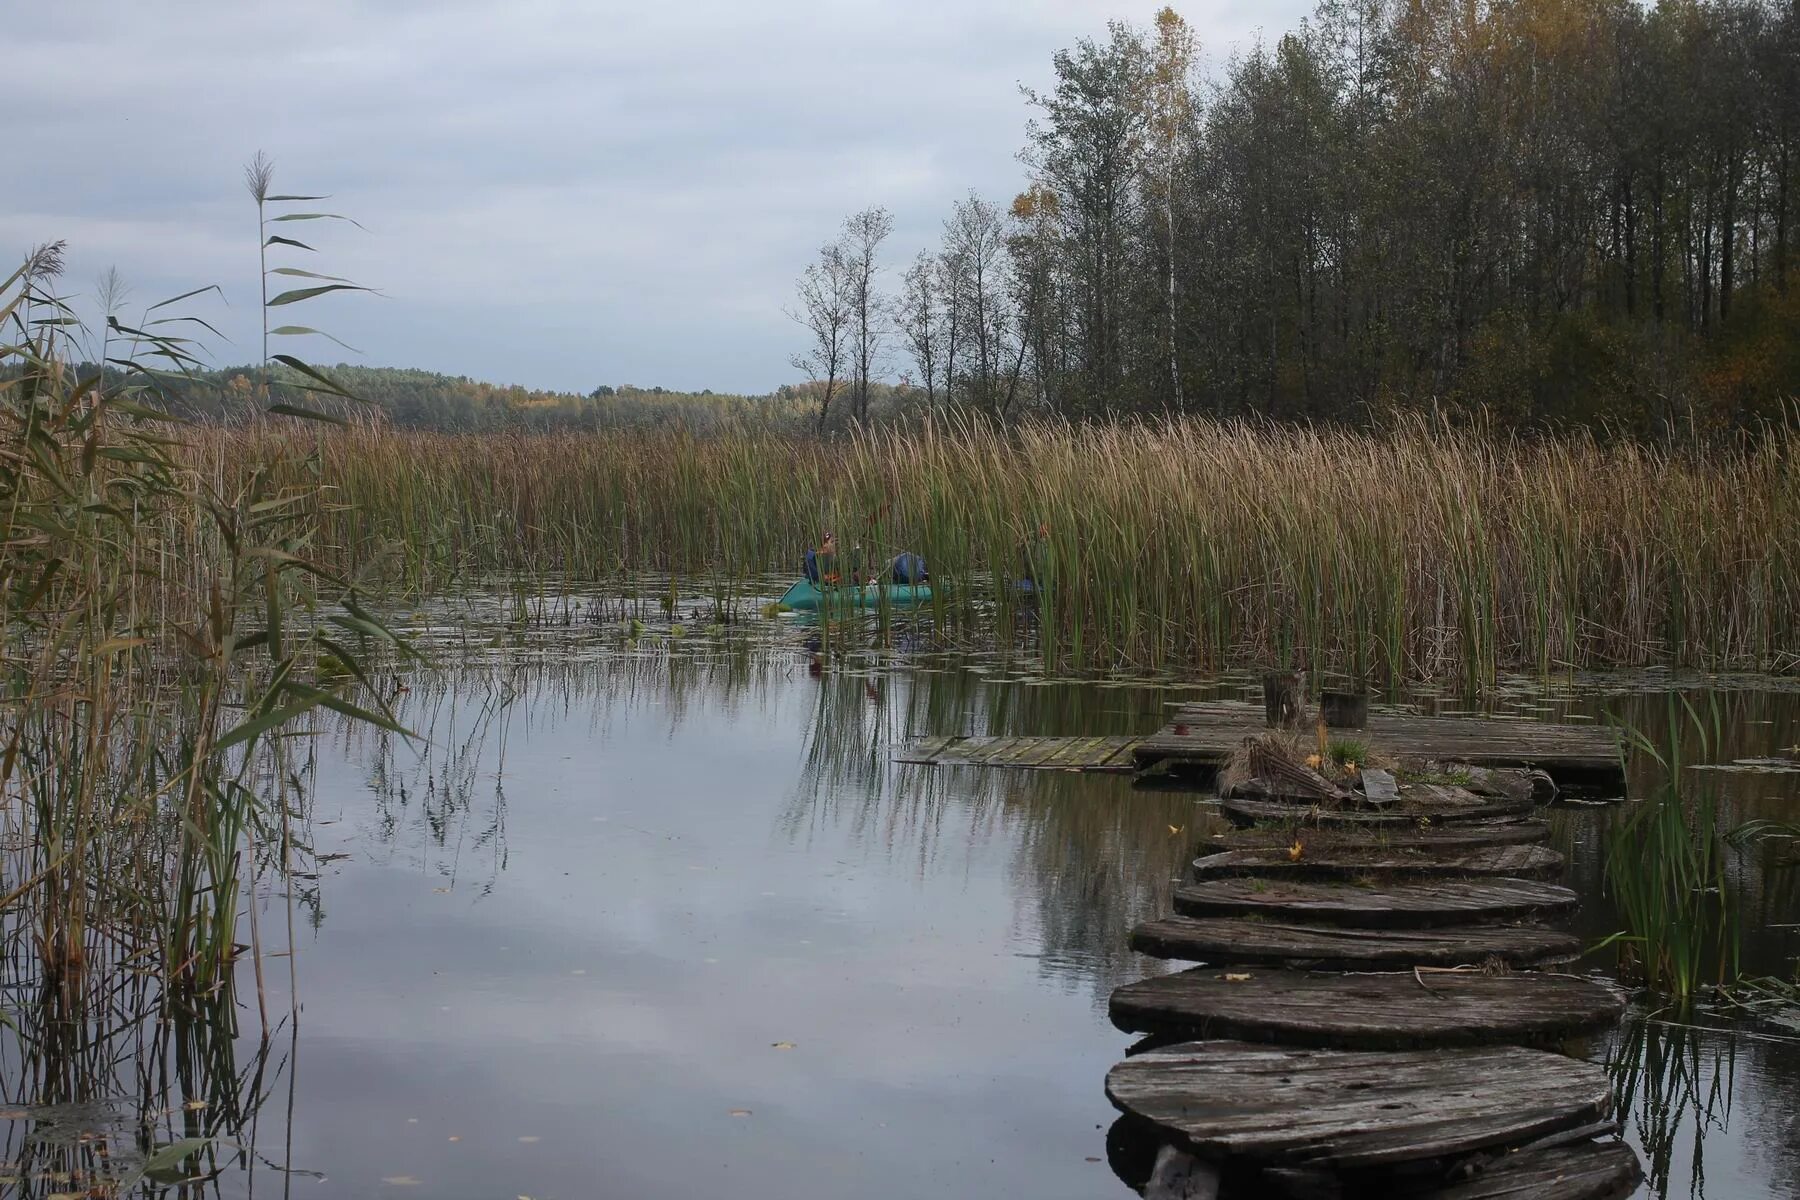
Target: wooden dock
point(1370, 996)
point(1115, 755)
point(1205, 735)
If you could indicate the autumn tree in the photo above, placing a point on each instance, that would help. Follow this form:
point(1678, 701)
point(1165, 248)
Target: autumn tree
point(864, 232)
point(827, 293)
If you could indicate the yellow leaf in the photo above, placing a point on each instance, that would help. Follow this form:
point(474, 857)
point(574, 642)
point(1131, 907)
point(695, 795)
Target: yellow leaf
point(738, 1112)
point(1230, 978)
point(1175, 829)
point(1314, 761)
point(1296, 850)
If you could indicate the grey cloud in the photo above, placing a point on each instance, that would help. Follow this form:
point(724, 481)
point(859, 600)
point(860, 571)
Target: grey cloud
point(558, 194)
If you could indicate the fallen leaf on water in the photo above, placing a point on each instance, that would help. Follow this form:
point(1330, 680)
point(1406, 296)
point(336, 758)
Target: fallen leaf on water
point(456, 1137)
point(782, 1045)
point(194, 1105)
point(531, 1138)
point(440, 891)
point(400, 1180)
point(738, 1112)
point(1175, 829)
point(1230, 978)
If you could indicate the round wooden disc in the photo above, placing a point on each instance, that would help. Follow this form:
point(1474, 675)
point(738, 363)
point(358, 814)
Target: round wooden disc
point(1399, 1010)
point(1521, 862)
point(1394, 904)
point(1232, 1101)
point(1239, 940)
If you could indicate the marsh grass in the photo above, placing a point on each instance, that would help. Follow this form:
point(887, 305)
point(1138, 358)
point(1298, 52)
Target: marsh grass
point(1668, 870)
point(159, 636)
point(1415, 551)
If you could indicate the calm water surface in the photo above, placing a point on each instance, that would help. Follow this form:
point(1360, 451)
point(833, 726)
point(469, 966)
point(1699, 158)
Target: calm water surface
point(662, 919)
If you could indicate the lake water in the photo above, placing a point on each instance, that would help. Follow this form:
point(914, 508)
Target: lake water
point(661, 918)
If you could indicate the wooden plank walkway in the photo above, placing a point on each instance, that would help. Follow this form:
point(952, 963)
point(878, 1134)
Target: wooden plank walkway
point(1389, 1011)
point(1242, 940)
point(1235, 1102)
point(1518, 862)
point(1399, 904)
point(1376, 946)
point(1105, 754)
point(1205, 734)
point(1464, 835)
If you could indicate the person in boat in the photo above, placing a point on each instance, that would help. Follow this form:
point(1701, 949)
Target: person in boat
point(908, 568)
point(825, 562)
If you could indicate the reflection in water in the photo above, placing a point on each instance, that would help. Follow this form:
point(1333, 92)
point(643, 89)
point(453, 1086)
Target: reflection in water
point(628, 887)
point(1677, 1086)
point(99, 1084)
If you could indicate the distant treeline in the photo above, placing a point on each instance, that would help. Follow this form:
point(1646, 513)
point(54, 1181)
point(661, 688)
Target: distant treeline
point(1559, 210)
point(415, 399)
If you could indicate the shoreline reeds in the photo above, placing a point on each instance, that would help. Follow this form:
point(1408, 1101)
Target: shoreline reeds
point(1418, 551)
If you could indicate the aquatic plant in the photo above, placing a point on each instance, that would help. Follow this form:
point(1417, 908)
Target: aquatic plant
point(1410, 551)
point(161, 631)
point(1667, 870)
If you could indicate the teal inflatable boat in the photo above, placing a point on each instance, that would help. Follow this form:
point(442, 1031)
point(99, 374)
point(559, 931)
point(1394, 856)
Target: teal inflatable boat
point(806, 596)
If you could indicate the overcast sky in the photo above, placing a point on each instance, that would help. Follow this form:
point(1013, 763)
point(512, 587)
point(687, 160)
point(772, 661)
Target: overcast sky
point(555, 194)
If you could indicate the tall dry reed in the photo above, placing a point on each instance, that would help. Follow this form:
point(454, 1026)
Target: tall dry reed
point(1415, 551)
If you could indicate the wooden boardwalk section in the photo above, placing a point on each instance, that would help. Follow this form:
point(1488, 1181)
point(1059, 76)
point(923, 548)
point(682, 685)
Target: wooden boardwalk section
point(1407, 904)
point(1515, 862)
point(1105, 754)
point(1205, 735)
point(1233, 1102)
point(1373, 996)
point(1439, 807)
point(1397, 1010)
point(1462, 835)
point(1322, 947)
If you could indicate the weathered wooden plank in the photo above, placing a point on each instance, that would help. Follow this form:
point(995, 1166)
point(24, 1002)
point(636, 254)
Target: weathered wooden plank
point(1464, 835)
point(1590, 1171)
point(1112, 754)
point(926, 750)
point(1397, 904)
point(1380, 788)
point(1235, 941)
point(1521, 862)
point(1227, 1101)
point(1244, 811)
point(1365, 1012)
point(1207, 733)
point(1416, 802)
